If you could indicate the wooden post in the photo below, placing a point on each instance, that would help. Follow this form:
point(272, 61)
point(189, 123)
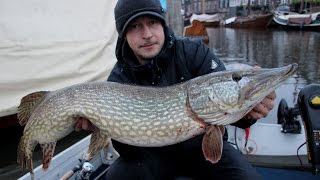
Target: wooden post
point(203, 6)
point(301, 6)
point(249, 8)
point(174, 17)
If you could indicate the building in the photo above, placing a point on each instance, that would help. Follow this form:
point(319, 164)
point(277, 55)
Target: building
point(232, 7)
point(201, 6)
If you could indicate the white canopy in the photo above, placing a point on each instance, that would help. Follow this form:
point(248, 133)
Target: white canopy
point(204, 17)
point(49, 44)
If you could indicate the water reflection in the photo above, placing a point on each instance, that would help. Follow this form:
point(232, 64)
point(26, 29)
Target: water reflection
point(272, 48)
point(269, 48)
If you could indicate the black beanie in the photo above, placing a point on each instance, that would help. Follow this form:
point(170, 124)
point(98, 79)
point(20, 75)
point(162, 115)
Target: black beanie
point(126, 10)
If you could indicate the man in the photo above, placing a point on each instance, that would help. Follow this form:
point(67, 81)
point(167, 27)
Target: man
point(148, 53)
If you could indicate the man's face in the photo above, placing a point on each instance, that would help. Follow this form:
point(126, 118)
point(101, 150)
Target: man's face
point(145, 37)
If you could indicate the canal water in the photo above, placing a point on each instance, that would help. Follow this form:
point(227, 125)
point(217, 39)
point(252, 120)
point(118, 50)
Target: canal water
point(269, 49)
point(266, 48)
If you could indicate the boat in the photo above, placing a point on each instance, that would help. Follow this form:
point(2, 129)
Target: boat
point(196, 30)
point(62, 164)
point(276, 150)
point(252, 21)
point(49, 48)
point(292, 20)
point(280, 154)
point(199, 24)
point(207, 20)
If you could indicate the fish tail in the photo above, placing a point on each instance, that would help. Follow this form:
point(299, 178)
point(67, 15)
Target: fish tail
point(24, 156)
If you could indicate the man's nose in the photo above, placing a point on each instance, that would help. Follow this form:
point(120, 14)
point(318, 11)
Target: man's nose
point(147, 32)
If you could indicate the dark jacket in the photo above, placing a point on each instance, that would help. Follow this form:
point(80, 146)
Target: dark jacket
point(181, 59)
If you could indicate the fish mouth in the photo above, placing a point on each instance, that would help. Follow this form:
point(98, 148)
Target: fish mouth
point(292, 68)
point(267, 81)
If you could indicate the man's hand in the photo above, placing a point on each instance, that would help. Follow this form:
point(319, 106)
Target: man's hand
point(263, 108)
point(84, 124)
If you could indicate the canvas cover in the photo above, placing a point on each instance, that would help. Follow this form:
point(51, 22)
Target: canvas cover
point(50, 44)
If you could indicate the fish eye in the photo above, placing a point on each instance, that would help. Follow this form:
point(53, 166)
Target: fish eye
point(236, 77)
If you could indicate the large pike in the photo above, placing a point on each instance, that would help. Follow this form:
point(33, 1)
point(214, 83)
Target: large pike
point(145, 116)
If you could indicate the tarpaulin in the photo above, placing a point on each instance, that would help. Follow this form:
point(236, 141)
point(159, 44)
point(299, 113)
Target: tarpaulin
point(46, 45)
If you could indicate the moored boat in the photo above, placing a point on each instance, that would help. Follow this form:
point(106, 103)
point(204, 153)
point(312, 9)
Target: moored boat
point(196, 30)
point(292, 20)
point(254, 21)
point(206, 19)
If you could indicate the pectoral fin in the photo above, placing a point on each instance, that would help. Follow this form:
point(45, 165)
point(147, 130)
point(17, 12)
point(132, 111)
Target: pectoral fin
point(98, 141)
point(212, 143)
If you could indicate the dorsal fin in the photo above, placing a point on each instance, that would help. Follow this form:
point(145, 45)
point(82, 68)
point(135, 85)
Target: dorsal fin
point(27, 105)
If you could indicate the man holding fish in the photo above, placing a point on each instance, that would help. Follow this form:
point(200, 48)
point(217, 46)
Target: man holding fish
point(149, 54)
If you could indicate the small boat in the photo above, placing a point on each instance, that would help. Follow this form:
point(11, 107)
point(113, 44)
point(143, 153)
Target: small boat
point(276, 150)
point(254, 21)
point(292, 20)
point(198, 25)
point(206, 19)
point(196, 30)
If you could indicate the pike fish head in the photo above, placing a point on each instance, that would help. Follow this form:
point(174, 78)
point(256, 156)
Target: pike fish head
point(225, 97)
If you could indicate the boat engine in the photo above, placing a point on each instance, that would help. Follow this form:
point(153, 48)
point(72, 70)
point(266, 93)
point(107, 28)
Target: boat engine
point(287, 117)
point(309, 106)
